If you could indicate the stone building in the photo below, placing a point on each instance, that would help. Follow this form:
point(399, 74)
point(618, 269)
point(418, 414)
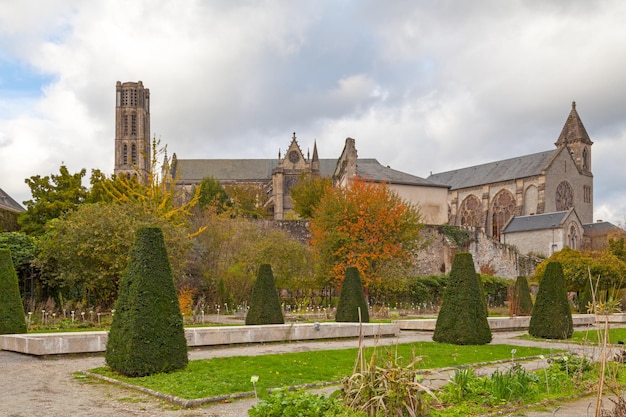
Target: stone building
point(9, 210)
point(487, 196)
point(430, 197)
point(132, 130)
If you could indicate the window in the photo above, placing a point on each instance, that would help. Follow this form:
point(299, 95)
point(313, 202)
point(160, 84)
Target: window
point(125, 155)
point(573, 237)
point(502, 208)
point(587, 193)
point(133, 125)
point(585, 159)
point(134, 154)
point(470, 212)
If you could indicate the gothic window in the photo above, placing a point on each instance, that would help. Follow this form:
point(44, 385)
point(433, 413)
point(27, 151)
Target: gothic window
point(133, 125)
point(470, 212)
point(125, 125)
point(502, 209)
point(564, 197)
point(585, 159)
point(133, 152)
point(573, 237)
point(125, 155)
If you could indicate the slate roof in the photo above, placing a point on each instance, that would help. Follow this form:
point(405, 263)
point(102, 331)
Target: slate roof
point(535, 222)
point(601, 228)
point(372, 170)
point(505, 170)
point(7, 203)
point(245, 170)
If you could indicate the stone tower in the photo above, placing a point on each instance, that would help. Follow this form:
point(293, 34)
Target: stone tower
point(575, 137)
point(132, 130)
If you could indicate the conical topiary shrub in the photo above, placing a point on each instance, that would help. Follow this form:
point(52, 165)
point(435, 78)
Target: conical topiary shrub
point(147, 334)
point(12, 318)
point(265, 305)
point(521, 302)
point(585, 299)
point(462, 319)
point(551, 317)
point(351, 298)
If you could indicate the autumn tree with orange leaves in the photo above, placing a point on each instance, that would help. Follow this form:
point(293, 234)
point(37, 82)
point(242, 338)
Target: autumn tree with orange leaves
point(365, 225)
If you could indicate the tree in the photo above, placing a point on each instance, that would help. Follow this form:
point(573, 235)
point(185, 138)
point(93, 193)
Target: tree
point(53, 196)
point(577, 265)
point(246, 200)
point(462, 319)
point(307, 194)
point(265, 306)
point(365, 225)
point(212, 194)
point(521, 302)
point(11, 307)
point(352, 299)
point(83, 255)
point(147, 334)
point(551, 317)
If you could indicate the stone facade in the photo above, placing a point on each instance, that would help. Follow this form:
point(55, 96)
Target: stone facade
point(132, 130)
point(487, 196)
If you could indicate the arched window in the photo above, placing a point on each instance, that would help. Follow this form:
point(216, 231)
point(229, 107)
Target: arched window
point(470, 212)
point(133, 153)
point(125, 155)
point(585, 159)
point(502, 209)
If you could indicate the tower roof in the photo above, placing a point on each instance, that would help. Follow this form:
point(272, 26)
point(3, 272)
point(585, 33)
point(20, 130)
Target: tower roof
point(573, 130)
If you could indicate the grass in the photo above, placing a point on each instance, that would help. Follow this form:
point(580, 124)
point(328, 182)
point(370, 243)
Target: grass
point(230, 375)
point(591, 335)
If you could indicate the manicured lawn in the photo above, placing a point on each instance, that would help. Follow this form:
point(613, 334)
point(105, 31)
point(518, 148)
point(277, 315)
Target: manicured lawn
point(229, 375)
point(591, 336)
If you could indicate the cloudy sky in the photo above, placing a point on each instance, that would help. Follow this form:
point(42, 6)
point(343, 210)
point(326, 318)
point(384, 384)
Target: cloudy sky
point(423, 86)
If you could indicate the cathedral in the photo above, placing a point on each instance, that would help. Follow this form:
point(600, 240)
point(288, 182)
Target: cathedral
point(539, 202)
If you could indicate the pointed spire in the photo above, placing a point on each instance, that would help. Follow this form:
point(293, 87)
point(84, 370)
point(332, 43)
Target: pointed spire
point(315, 157)
point(573, 130)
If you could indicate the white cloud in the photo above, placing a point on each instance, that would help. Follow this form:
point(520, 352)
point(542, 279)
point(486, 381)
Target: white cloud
point(421, 87)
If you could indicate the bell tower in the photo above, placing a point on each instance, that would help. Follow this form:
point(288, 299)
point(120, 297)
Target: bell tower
point(132, 130)
point(575, 137)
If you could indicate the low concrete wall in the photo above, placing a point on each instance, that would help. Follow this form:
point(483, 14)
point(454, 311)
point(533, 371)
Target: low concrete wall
point(93, 342)
point(508, 323)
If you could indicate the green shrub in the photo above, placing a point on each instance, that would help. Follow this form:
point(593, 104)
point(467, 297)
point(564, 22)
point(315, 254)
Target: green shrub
point(521, 302)
point(495, 288)
point(462, 319)
point(265, 305)
point(11, 308)
point(551, 316)
point(585, 299)
point(351, 298)
point(301, 404)
point(147, 334)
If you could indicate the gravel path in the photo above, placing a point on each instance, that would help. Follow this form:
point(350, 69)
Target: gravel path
point(30, 386)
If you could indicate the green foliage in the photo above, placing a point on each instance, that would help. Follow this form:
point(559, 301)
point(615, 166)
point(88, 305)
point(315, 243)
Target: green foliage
point(23, 248)
point(283, 403)
point(246, 201)
point(462, 319)
point(585, 299)
point(11, 308)
point(213, 194)
point(83, 254)
point(53, 196)
point(495, 288)
point(521, 302)
point(147, 334)
point(351, 299)
point(577, 265)
point(306, 195)
point(617, 247)
point(264, 305)
point(551, 316)
point(459, 236)
point(231, 250)
point(8, 221)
